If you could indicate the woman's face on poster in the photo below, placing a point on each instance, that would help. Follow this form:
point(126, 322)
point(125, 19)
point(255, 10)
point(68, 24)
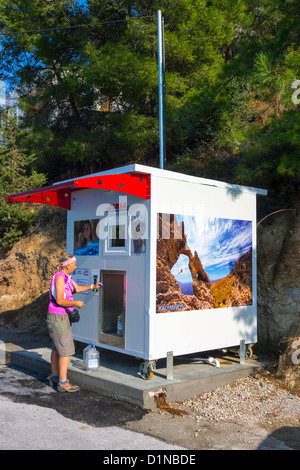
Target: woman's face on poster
point(87, 231)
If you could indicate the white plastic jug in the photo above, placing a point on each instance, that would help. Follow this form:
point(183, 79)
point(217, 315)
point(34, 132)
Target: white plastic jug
point(92, 359)
point(85, 351)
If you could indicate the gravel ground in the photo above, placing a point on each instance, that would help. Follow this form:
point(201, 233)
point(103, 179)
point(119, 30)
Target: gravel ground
point(253, 398)
point(238, 415)
point(254, 413)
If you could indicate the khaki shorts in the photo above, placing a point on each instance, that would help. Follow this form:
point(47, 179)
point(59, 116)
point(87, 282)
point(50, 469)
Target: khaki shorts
point(60, 332)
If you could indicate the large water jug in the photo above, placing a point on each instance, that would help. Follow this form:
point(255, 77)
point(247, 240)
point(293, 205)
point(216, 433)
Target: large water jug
point(85, 351)
point(92, 359)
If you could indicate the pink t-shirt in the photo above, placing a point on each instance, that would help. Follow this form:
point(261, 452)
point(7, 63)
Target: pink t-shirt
point(69, 288)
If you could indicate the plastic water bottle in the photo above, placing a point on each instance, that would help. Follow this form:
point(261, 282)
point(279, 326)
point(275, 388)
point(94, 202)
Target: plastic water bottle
point(92, 359)
point(85, 351)
point(120, 325)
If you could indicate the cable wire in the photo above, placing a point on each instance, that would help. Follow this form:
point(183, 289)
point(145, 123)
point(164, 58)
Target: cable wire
point(58, 28)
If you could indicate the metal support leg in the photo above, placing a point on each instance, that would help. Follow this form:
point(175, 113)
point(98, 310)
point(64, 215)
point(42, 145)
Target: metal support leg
point(242, 351)
point(170, 365)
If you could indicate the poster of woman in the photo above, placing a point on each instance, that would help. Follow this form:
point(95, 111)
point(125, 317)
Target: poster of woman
point(86, 242)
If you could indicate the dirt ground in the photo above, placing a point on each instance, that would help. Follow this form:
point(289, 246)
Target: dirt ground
point(252, 413)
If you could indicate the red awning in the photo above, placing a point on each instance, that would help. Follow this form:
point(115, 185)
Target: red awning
point(59, 195)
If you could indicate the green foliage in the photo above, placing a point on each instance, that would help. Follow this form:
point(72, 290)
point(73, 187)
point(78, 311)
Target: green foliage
point(66, 71)
point(15, 176)
point(230, 66)
point(256, 131)
point(273, 151)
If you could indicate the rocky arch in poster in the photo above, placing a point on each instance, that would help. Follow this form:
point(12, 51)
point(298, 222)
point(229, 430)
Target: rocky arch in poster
point(202, 263)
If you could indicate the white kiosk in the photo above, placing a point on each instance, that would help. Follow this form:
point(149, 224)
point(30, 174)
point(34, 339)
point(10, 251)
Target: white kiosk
point(176, 255)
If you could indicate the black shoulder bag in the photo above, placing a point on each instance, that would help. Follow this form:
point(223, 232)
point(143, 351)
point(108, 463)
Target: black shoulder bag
point(73, 315)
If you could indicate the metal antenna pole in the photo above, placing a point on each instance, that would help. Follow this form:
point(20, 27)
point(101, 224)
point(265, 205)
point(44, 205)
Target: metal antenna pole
point(161, 90)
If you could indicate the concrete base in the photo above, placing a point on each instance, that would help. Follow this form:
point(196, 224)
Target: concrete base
point(118, 374)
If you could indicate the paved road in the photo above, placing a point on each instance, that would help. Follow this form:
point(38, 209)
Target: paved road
point(34, 416)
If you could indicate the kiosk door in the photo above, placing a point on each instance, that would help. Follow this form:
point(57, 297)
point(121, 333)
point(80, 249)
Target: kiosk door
point(112, 308)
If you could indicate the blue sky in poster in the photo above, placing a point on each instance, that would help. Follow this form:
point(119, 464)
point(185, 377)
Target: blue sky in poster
point(218, 242)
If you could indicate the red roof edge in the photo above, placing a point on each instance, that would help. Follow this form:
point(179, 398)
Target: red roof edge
point(136, 184)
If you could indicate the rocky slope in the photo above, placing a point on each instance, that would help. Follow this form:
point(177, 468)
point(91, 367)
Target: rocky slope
point(26, 271)
point(278, 278)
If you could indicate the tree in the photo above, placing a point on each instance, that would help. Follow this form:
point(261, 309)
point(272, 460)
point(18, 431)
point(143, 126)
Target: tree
point(251, 134)
point(229, 67)
point(69, 68)
point(16, 175)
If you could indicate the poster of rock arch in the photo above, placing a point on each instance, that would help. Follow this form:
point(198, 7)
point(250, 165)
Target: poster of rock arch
point(202, 263)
